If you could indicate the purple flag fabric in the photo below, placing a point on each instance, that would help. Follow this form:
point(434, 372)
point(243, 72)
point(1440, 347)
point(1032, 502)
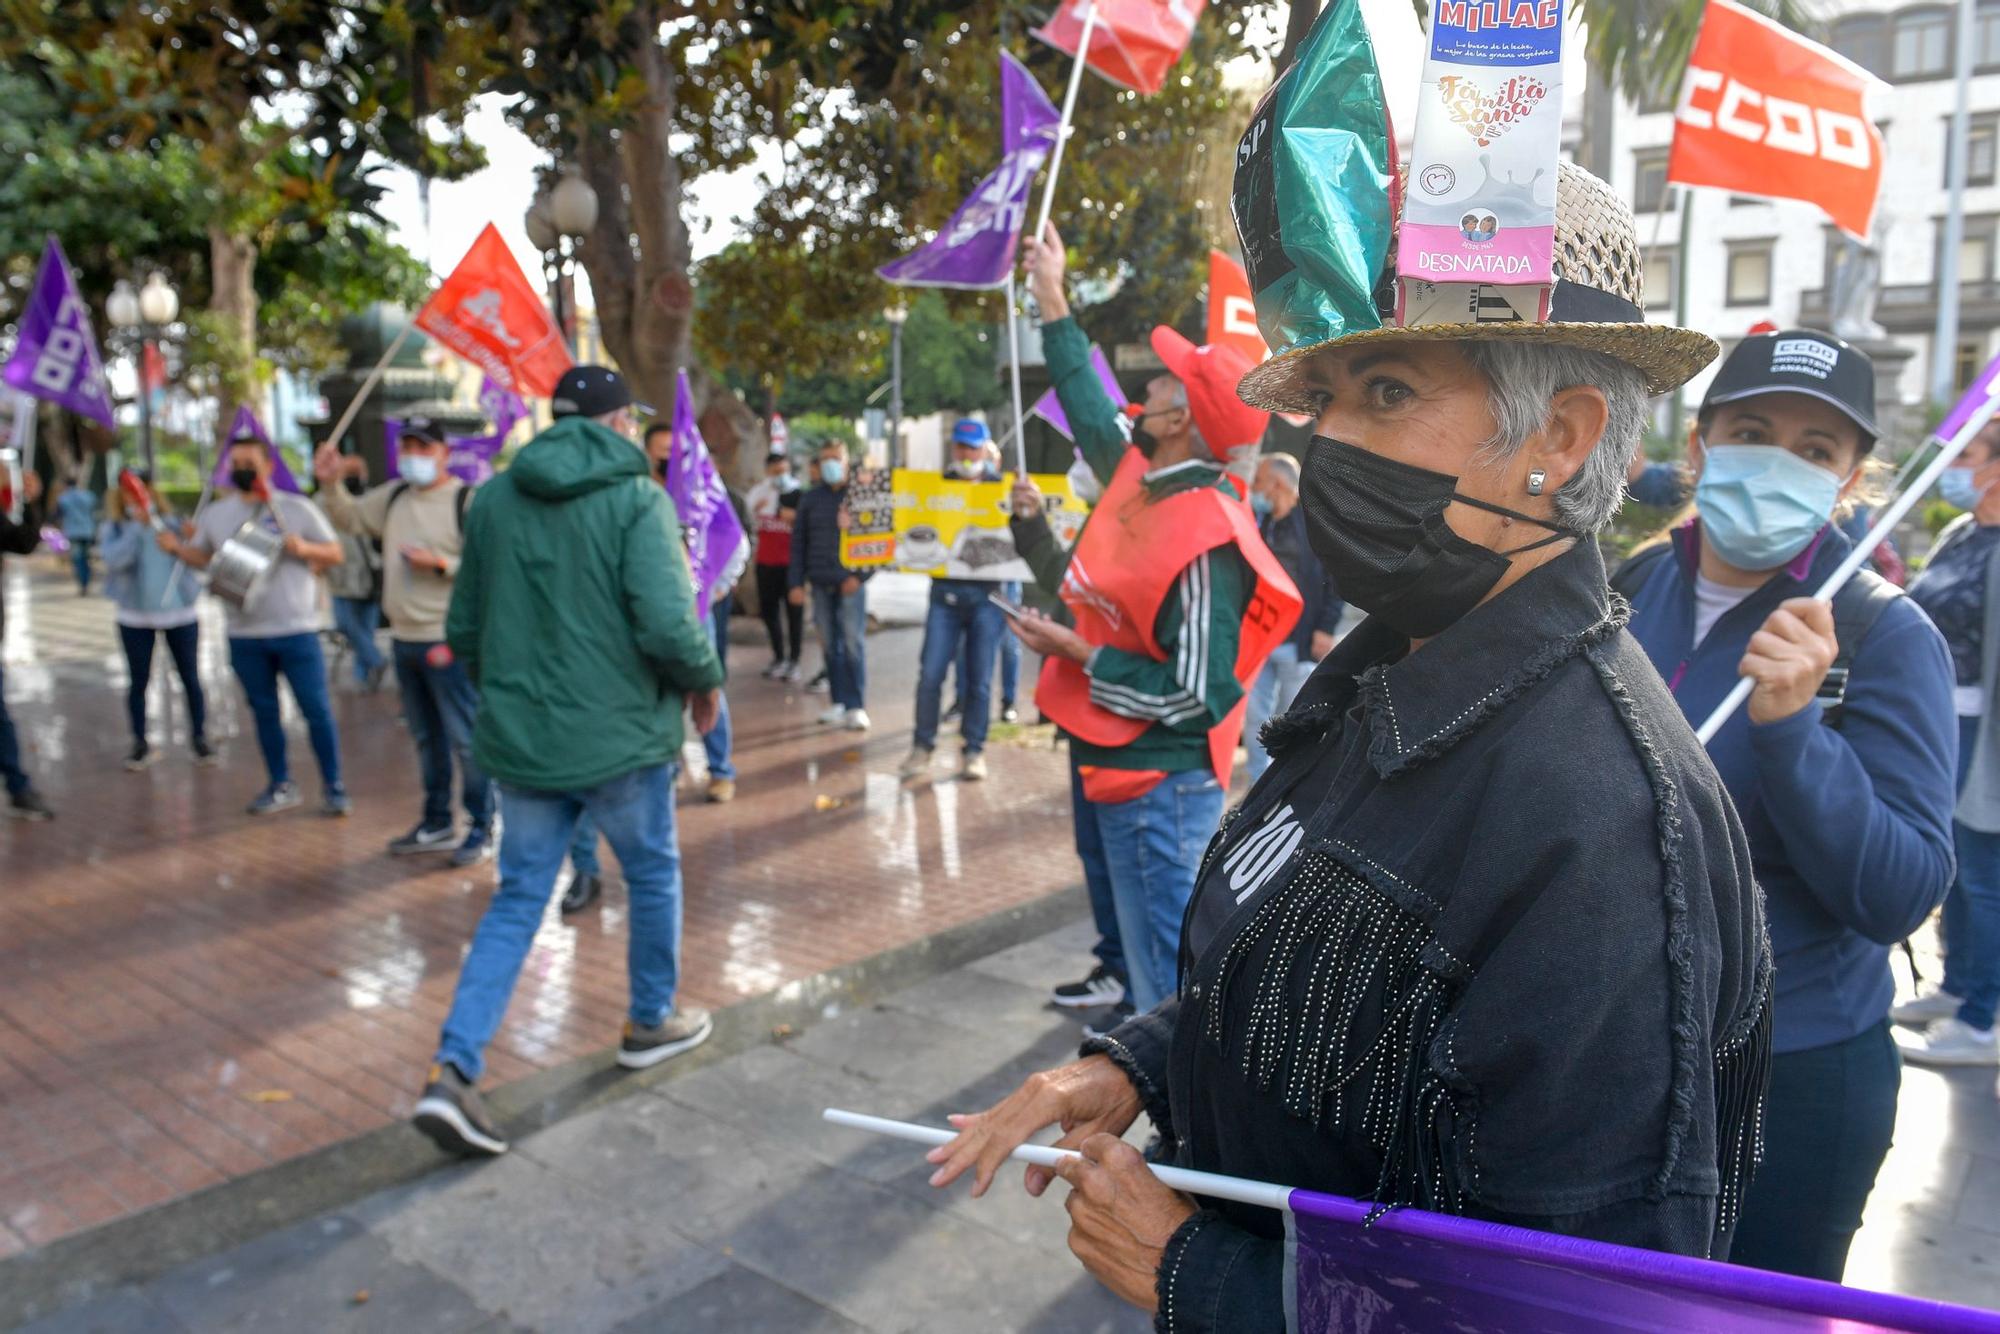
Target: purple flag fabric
point(976, 248)
point(717, 547)
point(471, 457)
point(246, 423)
point(1426, 1273)
point(55, 357)
point(502, 406)
point(1049, 408)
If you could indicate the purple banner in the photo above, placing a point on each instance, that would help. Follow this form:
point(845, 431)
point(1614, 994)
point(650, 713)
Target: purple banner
point(246, 423)
point(471, 458)
point(717, 547)
point(976, 248)
point(1049, 408)
point(502, 406)
point(55, 355)
point(1983, 391)
point(1426, 1273)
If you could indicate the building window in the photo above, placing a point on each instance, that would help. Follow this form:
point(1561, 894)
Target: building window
point(1976, 248)
point(1649, 181)
point(1967, 360)
point(1982, 136)
point(1986, 36)
point(1863, 39)
point(1749, 276)
point(1658, 280)
point(1923, 38)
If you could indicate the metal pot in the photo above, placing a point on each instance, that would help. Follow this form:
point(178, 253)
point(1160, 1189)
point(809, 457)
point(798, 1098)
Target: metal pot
point(242, 566)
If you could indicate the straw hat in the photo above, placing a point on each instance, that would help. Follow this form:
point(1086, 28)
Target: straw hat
point(1598, 303)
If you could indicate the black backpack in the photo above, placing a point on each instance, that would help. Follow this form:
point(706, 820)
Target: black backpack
point(1856, 607)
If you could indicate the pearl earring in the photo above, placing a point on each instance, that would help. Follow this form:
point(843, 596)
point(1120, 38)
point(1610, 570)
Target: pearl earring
point(1536, 479)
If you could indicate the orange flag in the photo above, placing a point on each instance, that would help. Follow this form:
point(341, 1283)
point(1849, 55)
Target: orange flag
point(1765, 112)
point(1133, 43)
point(1232, 314)
point(489, 313)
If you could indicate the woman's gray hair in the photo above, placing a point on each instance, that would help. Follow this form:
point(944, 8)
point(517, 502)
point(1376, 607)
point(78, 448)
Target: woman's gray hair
point(1523, 379)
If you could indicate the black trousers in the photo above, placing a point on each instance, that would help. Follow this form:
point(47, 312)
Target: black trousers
point(1827, 1127)
point(780, 616)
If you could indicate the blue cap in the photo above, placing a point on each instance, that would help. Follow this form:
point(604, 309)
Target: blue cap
point(970, 432)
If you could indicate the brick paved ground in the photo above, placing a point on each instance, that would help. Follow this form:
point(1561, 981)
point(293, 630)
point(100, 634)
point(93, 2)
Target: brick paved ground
point(191, 995)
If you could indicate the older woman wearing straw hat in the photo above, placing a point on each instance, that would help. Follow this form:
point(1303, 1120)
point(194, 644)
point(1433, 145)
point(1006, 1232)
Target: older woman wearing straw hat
point(1484, 939)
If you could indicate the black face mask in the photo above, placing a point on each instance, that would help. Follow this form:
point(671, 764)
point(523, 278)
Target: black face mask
point(1144, 440)
point(243, 479)
point(1378, 527)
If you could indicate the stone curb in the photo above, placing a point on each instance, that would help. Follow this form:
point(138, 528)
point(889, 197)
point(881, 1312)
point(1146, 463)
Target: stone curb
point(75, 1269)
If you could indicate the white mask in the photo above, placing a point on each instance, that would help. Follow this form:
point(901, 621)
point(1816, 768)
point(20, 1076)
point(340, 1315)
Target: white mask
point(417, 469)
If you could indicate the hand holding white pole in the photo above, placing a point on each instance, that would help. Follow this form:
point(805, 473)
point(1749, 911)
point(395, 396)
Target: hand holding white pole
point(1885, 522)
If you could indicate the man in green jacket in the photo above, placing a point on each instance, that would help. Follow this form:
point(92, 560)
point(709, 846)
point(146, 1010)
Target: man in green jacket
point(575, 615)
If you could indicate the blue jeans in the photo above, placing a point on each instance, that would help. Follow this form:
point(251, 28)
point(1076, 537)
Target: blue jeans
point(843, 620)
point(440, 705)
point(716, 745)
point(79, 561)
point(10, 749)
point(960, 616)
point(357, 619)
point(583, 846)
point(1971, 925)
point(183, 641)
point(258, 664)
point(1152, 847)
point(636, 812)
point(1110, 948)
point(1272, 693)
point(1010, 653)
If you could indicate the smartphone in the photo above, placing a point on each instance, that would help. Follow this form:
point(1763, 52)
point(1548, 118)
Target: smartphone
point(1014, 613)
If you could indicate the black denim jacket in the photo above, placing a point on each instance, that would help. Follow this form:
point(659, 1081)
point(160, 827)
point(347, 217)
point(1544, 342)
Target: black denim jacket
point(1516, 969)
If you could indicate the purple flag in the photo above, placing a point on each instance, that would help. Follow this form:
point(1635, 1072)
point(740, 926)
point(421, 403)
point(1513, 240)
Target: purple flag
point(471, 457)
point(976, 248)
point(1428, 1273)
point(55, 357)
point(1049, 408)
point(246, 423)
point(716, 544)
point(502, 406)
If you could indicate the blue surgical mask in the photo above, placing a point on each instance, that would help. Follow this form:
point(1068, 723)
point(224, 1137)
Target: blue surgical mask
point(417, 469)
point(833, 472)
point(1260, 505)
point(1760, 505)
point(1955, 488)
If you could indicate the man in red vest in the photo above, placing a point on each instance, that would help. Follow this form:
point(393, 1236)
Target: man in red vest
point(1176, 603)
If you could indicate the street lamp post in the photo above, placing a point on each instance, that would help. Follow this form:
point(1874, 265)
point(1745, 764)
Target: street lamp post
point(142, 315)
point(557, 222)
point(896, 314)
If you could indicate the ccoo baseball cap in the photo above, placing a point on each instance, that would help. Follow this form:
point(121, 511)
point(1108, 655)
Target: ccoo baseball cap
point(592, 391)
point(424, 429)
point(1211, 374)
point(1800, 361)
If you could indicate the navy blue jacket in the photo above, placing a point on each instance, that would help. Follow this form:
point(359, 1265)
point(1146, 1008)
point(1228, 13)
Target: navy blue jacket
point(816, 541)
point(1850, 827)
point(1289, 542)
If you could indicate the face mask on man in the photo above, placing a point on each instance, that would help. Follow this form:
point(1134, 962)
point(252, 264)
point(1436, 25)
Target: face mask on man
point(1378, 526)
point(1955, 488)
point(243, 479)
point(1261, 506)
point(832, 471)
point(417, 469)
point(1761, 505)
point(958, 470)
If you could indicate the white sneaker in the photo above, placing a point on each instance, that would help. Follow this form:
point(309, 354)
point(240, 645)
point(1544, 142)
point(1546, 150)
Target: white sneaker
point(857, 720)
point(834, 716)
point(916, 764)
point(1950, 1042)
point(974, 768)
point(1921, 1009)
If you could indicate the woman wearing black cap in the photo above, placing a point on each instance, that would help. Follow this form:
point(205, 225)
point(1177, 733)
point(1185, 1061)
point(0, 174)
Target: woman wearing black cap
point(1840, 764)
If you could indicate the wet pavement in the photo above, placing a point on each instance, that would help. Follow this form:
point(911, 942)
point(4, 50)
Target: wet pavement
point(192, 994)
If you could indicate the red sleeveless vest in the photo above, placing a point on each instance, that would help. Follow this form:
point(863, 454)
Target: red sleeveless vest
point(1130, 554)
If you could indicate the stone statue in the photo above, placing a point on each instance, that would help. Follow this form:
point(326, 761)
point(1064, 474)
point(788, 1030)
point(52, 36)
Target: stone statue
point(1857, 283)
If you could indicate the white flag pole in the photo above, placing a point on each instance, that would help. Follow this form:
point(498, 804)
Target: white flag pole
point(1240, 1189)
point(1068, 110)
point(1014, 356)
point(368, 385)
point(1884, 523)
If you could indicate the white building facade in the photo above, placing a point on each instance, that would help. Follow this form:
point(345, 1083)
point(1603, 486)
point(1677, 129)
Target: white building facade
point(1751, 260)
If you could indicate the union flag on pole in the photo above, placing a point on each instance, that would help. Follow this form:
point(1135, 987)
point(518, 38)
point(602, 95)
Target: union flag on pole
point(1232, 311)
point(1762, 111)
point(1133, 43)
point(489, 313)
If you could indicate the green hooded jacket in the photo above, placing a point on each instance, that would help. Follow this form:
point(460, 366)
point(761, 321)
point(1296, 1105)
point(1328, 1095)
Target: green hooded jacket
point(574, 612)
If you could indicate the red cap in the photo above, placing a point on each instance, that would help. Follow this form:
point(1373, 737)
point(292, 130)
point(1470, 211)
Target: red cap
point(1211, 374)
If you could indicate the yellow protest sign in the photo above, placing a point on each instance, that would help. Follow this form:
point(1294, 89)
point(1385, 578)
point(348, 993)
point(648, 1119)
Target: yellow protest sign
point(958, 530)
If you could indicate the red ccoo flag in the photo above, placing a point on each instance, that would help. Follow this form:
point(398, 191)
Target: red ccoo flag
point(1232, 312)
point(488, 313)
point(1134, 43)
point(1763, 111)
